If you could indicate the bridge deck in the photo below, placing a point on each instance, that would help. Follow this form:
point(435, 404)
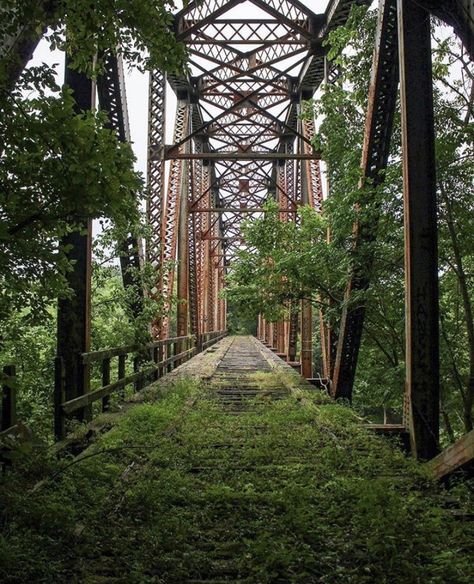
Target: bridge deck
point(241, 470)
point(235, 470)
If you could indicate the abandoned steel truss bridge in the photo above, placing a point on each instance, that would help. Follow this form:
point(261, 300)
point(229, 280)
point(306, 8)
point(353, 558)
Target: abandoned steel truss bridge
point(239, 140)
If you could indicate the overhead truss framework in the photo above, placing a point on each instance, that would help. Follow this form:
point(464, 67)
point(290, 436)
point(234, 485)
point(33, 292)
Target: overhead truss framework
point(242, 143)
point(240, 140)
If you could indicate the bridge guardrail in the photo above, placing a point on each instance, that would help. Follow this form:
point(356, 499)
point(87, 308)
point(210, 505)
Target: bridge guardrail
point(208, 339)
point(158, 358)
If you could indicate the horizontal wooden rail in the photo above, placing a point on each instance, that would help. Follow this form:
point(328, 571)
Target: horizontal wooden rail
point(97, 356)
point(84, 400)
point(456, 458)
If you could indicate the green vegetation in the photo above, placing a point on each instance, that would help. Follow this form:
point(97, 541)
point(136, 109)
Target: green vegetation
point(284, 263)
point(181, 490)
point(295, 491)
point(59, 168)
point(140, 30)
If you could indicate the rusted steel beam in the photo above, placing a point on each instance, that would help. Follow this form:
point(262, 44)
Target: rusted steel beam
point(182, 309)
point(235, 210)
point(112, 95)
point(378, 131)
point(312, 167)
point(74, 313)
point(171, 217)
point(113, 99)
point(312, 195)
point(171, 154)
point(291, 13)
point(255, 89)
point(421, 249)
point(199, 14)
point(293, 332)
point(156, 195)
point(245, 87)
point(195, 249)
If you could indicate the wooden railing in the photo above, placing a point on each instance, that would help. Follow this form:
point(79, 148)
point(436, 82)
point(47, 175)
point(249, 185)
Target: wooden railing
point(208, 339)
point(149, 363)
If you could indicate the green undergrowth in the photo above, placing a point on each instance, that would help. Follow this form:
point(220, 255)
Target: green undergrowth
point(180, 491)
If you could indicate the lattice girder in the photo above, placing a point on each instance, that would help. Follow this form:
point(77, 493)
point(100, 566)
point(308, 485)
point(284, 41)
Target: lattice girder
point(246, 80)
point(171, 215)
point(156, 166)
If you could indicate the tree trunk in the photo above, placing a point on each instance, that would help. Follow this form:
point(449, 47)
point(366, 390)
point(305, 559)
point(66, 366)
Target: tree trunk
point(468, 398)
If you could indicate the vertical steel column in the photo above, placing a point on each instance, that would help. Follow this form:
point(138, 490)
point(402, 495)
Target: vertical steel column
point(212, 296)
point(293, 332)
point(220, 287)
point(112, 95)
point(275, 335)
point(205, 220)
point(210, 289)
point(280, 344)
point(224, 311)
point(195, 244)
point(171, 213)
point(74, 313)
point(217, 284)
point(421, 254)
point(182, 311)
point(306, 307)
point(268, 333)
point(156, 178)
point(283, 198)
point(312, 190)
point(378, 130)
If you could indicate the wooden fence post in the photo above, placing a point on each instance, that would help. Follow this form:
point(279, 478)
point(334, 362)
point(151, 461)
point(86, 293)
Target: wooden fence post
point(105, 381)
point(9, 398)
point(121, 372)
point(136, 369)
point(160, 360)
point(155, 359)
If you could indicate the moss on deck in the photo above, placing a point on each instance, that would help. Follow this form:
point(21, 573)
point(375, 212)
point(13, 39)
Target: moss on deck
point(181, 491)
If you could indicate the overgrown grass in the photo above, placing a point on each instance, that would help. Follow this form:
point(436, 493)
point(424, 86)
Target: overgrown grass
point(294, 491)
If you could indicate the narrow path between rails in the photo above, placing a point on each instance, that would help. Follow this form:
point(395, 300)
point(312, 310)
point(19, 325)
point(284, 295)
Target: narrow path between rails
point(233, 469)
